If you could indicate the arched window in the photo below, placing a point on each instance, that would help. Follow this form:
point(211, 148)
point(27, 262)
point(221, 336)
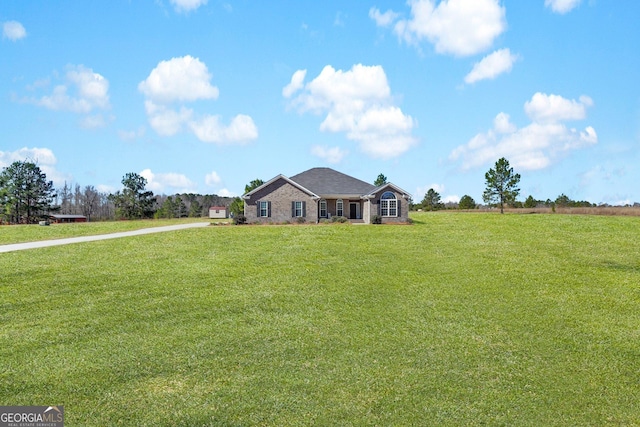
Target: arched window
point(339, 207)
point(388, 204)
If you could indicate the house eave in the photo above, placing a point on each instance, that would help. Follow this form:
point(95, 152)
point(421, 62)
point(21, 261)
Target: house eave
point(248, 195)
point(405, 194)
point(341, 196)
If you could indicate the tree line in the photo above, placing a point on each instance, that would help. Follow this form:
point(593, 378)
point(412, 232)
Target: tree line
point(27, 196)
point(501, 191)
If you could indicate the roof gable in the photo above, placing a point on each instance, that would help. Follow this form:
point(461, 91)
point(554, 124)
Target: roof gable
point(386, 186)
point(326, 181)
point(274, 179)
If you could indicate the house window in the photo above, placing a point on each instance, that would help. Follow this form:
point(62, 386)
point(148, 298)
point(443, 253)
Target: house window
point(298, 209)
point(323, 208)
point(339, 208)
point(264, 209)
point(388, 204)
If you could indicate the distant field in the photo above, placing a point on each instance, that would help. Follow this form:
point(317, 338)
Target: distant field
point(459, 319)
point(599, 210)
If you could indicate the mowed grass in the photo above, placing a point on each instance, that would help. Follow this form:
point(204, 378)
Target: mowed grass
point(30, 233)
point(458, 319)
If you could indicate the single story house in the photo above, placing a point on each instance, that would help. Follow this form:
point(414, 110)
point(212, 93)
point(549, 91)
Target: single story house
point(322, 193)
point(58, 219)
point(218, 212)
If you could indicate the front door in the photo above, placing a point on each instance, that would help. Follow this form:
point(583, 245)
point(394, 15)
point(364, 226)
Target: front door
point(353, 210)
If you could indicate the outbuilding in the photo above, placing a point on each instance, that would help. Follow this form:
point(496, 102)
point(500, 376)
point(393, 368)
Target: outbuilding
point(59, 219)
point(218, 212)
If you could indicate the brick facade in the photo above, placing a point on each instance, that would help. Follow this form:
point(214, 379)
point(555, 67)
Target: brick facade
point(373, 208)
point(280, 194)
point(360, 201)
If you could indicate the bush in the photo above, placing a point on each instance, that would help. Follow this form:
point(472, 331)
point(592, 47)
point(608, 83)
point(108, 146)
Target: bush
point(239, 220)
point(377, 219)
point(300, 220)
point(339, 219)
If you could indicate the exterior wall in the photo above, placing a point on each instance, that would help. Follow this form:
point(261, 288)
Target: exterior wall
point(366, 212)
point(372, 208)
point(219, 212)
point(332, 207)
point(66, 219)
point(280, 193)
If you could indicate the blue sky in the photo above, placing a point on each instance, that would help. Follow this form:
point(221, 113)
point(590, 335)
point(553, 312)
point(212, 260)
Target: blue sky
point(205, 95)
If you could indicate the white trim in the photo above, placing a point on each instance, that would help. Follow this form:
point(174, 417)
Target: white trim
point(389, 204)
point(266, 209)
point(326, 211)
point(274, 179)
point(358, 213)
point(405, 194)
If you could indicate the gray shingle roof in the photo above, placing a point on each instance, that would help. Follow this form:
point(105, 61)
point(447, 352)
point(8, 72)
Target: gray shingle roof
point(326, 181)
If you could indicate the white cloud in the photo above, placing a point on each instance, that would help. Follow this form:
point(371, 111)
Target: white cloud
point(166, 121)
point(187, 79)
point(94, 121)
point(297, 83)
point(130, 135)
point(212, 178)
point(209, 129)
point(82, 92)
point(106, 189)
point(422, 191)
point(92, 87)
point(383, 19)
point(42, 157)
point(330, 155)
point(502, 124)
point(452, 198)
point(359, 103)
point(491, 66)
point(179, 79)
point(438, 188)
point(554, 108)
point(13, 30)
point(457, 27)
point(167, 182)
point(187, 5)
point(535, 146)
point(561, 6)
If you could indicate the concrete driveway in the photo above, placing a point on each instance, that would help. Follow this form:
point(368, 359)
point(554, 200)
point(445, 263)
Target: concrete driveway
point(57, 242)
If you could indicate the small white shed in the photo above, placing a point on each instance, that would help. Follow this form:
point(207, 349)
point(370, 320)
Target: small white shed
point(218, 212)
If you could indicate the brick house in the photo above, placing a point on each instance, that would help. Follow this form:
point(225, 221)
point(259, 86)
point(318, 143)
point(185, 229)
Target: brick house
point(321, 193)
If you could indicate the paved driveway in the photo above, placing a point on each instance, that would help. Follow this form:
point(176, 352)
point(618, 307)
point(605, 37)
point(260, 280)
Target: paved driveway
point(57, 242)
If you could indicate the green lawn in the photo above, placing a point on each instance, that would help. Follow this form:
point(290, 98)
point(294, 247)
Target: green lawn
point(31, 233)
point(459, 319)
